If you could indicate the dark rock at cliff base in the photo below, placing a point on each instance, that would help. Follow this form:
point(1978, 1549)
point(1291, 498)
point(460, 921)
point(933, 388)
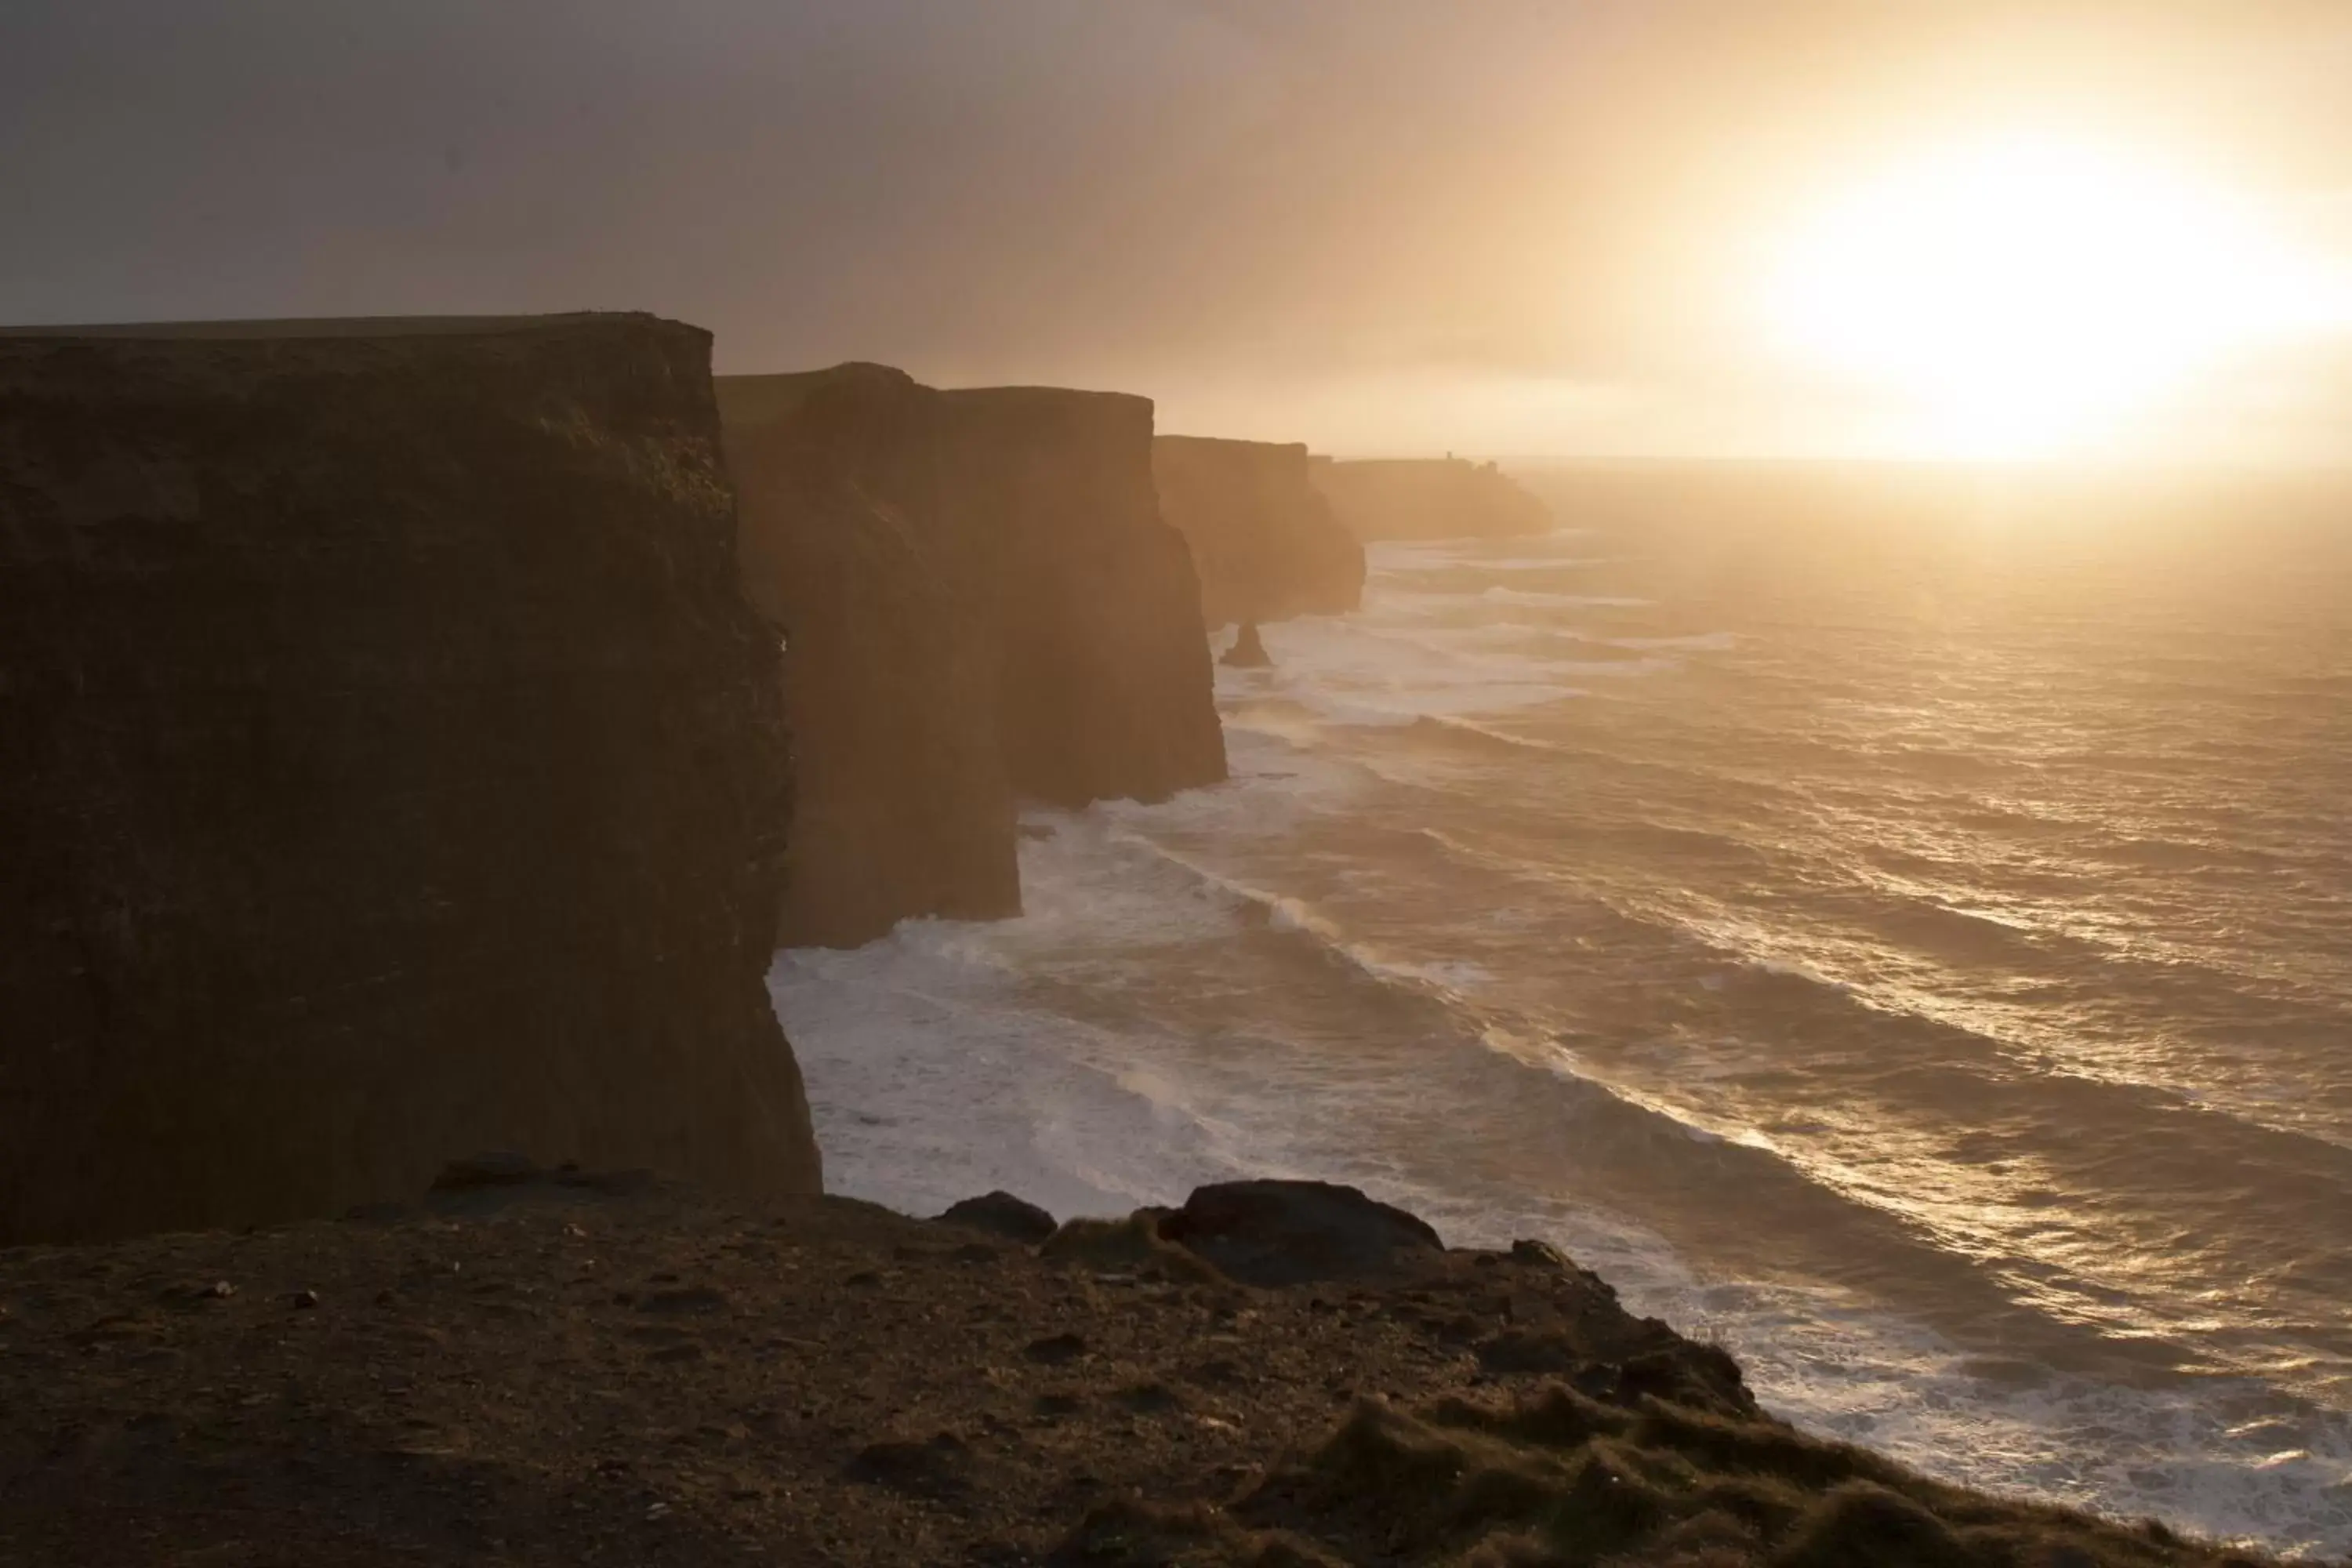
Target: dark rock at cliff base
point(1106, 690)
point(390, 769)
point(849, 546)
point(1266, 540)
point(1248, 651)
point(1428, 498)
point(1294, 1233)
point(981, 600)
point(1001, 1214)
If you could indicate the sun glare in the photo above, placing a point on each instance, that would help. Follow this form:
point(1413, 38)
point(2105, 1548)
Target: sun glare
point(2025, 298)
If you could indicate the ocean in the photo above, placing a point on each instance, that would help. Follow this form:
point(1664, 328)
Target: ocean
point(1895, 923)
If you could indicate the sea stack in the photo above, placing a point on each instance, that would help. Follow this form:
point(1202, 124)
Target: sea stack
point(1265, 540)
point(393, 770)
point(1429, 498)
point(1248, 651)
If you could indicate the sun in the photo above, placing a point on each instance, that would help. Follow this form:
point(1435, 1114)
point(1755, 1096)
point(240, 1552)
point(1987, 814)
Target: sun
point(2025, 297)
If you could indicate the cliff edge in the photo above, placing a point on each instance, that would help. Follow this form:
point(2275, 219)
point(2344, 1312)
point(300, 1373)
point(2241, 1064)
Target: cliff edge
point(1265, 539)
point(392, 769)
point(1429, 498)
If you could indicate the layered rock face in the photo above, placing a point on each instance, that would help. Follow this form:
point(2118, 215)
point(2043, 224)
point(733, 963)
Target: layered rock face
point(1429, 498)
point(1265, 540)
point(849, 544)
point(390, 768)
point(982, 602)
point(1106, 689)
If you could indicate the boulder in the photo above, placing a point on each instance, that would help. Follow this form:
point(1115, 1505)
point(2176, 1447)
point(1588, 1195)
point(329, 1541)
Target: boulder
point(390, 769)
point(1294, 1233)
point(1001, 1214)
point(1264, 539)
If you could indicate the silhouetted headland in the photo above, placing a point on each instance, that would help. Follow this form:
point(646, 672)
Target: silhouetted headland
point(1429, 498)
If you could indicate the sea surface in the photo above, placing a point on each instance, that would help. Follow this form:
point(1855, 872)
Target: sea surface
point(1898, 924)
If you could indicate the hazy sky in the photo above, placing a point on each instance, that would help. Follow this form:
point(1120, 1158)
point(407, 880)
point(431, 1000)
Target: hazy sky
point(1499, 226)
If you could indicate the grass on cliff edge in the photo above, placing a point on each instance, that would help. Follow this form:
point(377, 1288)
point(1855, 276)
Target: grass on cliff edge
point(1560, 1479)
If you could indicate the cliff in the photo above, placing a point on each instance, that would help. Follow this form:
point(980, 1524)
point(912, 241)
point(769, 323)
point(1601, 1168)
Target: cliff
point(390, 768)
point(849, 543)
point(1264, 538)
point(1429, 498)
point(568, 1370)
point(982, 602)
point(1106, 689)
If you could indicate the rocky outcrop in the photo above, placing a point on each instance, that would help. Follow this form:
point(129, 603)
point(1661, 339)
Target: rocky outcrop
point(1429, 498)
point(1107, 691)
point(393, 770)
point(850, 501)
point(1265, 540)
point(982, 602)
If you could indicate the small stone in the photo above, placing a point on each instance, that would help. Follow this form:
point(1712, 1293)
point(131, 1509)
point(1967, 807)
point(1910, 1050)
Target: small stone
point(218, 1291)
point(304, 1301)
point(659, 1510)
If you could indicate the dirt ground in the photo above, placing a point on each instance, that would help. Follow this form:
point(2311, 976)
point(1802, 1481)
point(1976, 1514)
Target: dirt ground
point(619, 1373)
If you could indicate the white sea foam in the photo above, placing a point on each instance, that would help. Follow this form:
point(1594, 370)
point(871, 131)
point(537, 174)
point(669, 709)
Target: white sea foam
point(1356, 674)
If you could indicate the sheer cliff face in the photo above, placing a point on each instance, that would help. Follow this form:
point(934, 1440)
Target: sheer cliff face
point(1264, 539)
point(1434, 498)
point(390, 768)
point(1106, 690)
point(902, 806)
point(982, 603)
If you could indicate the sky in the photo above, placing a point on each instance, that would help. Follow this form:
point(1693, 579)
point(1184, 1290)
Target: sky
point(1514, 226)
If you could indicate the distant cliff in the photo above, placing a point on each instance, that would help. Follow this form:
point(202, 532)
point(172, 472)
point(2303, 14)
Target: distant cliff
point(1429, 498)
point(851, 504)
point(982, 602)
point(1108, 692)
point(1264, 538)
point(390, 769)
